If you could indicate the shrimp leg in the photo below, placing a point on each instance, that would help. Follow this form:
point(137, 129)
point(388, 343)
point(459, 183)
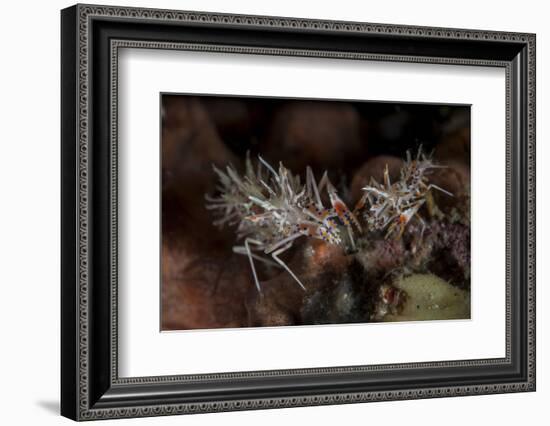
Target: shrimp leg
point(431, 185)
point(312, 187)
point(275, 256)
point(242, 250)
point(250, 255)
point(288, 239)
point(423, 226)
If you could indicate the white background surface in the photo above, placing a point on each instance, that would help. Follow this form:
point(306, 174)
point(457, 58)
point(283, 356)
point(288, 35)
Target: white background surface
point(29, 225)
point(146, 352)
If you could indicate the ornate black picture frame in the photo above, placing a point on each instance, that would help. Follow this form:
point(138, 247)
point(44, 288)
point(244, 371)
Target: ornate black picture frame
point(91, 36)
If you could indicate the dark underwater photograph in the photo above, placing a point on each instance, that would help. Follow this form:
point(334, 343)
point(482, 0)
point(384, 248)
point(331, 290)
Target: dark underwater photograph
point(284, 212)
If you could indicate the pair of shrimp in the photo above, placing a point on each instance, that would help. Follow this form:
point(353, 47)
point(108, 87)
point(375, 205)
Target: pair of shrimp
point(272, 210)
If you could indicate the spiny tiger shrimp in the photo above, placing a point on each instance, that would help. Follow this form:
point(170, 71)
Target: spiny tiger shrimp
point(392, 206)
point(271, 210)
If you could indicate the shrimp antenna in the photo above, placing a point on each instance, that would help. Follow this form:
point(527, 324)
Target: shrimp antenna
point(271, 169)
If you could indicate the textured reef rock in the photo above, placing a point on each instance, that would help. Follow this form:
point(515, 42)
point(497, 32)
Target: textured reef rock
point(424, 297)
point(374, 283)
point(455, 147)
point(191, 144)
point(450, 253)
point(195, 294)
point(329, 289)
point(312, 134)
point(378, 256)
point(203, 292)
point(342, 300)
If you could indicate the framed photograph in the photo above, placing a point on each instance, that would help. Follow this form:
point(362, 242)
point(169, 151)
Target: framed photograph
point(263, 212)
